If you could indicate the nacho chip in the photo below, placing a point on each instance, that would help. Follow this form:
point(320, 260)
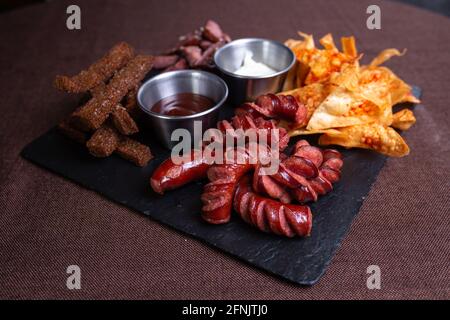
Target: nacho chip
point(386, 79)
point(403, 119)
point(382, 81)
point(343, 108)
point(373, 136)
point(350, 104)
point(348, 77)
point(304, 132)
point(317, 65)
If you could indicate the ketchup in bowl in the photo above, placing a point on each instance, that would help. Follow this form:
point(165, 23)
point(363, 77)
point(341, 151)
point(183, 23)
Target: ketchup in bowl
point(182, 104)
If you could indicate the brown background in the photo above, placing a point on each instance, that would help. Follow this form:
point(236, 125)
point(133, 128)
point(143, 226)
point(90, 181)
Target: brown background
point(48, 223)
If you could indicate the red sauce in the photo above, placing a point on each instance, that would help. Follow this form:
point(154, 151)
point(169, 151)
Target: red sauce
point(182, 104)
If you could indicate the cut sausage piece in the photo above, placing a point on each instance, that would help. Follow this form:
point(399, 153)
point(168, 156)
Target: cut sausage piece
point(302, 194)
point(290, 109)
point(218, 201)
point(270, 215)
point(330, 174)
point(321, 185)
point(311, 153)
point(301, 143)
point(301, 166)
point(331, 153)
point(286, 107)
point(264, 184)
point(333, 163)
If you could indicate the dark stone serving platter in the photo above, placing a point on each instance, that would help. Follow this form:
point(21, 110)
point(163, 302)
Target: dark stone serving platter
point(301, 260)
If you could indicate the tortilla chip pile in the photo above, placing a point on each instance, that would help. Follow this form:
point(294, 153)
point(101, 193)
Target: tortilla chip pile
point(349, 104)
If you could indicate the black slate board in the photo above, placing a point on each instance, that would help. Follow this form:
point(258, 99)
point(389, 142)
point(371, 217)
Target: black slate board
point(302, 261)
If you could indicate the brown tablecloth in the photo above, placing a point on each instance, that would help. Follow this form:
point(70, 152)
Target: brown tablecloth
point(48, 223)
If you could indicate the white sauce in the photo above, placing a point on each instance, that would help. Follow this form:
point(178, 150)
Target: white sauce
point(250, 67)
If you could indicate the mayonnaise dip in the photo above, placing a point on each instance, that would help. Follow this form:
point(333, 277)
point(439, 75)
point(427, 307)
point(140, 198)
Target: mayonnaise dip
point(252, 68)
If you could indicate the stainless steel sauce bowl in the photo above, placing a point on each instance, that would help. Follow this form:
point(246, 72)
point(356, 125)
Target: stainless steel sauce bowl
point(171, 83)
point(246, 88)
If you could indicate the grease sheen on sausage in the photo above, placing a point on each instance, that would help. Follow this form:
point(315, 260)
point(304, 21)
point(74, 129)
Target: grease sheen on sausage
point(169, 176)
point(218, 195)
point(269, 215)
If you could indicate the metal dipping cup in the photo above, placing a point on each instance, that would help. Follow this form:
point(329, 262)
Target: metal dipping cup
point(175, 82)
point(274, 54)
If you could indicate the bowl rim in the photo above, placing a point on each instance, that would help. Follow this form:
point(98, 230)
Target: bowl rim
point(177, 73)
point(247, 40)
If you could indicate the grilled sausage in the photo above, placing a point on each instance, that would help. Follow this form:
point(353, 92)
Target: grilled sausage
point(280, 106)
point(269, 215)
point(218, 195)
point(169, 176)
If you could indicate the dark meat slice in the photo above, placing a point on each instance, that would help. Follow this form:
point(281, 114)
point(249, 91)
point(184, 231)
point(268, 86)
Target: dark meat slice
point(192, 54)
point(123, 122)
point(103, 142)
point(206, 60)
point(94, 113)
point(205, 44)
point(162, 62)
point(133, 151)
point(212, 31)
point(180, 65)
point(189, 39)
point(69, 131)
point(98, 72)
point(226, 37)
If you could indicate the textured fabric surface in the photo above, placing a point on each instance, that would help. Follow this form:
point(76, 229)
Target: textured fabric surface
point(48, 223)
